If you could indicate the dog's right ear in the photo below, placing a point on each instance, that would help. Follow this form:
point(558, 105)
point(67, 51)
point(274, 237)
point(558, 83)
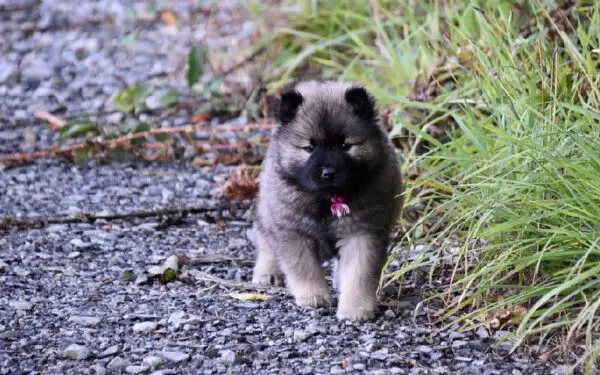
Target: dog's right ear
point(288, 106)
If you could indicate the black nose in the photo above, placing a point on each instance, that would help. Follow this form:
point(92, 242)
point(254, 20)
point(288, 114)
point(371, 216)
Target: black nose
point(327, 173)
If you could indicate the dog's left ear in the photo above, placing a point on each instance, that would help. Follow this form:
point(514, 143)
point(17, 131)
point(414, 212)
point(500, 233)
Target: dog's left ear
point(362, 102)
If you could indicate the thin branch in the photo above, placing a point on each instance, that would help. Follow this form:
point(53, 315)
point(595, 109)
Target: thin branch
point(125, 141)
point(207, 277)
point(200, 259)
point(54, 122)
point(242, 62)
point(8, 223)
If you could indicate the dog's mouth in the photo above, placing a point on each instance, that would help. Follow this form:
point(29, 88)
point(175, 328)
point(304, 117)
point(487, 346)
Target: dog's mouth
point(339, 207)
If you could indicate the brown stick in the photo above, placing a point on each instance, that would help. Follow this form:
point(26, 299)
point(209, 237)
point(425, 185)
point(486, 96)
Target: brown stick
point(23, 157)
point(6, 223)
point(230, 284)
point(54, 122)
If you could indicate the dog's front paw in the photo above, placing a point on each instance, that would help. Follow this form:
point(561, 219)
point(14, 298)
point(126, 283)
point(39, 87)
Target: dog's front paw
point(319, 299)
point(357, 315)
point(267, 278)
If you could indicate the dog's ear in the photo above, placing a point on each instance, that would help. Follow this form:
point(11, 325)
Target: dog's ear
point(288, 106)
point(363, 104)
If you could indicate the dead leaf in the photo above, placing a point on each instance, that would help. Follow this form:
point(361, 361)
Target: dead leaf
point(242, 184)
point(346, 363)
point(168, 275)
point(250, 297)
point(168, 17)
point(200, 117)
point(511, 315)
point(128, 275)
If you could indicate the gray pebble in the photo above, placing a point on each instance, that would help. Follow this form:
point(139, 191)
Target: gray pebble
point(8, 72)
point(228, 357)
point(136, 369)
point(300, 335)
point(20, 305)
point(380, 355)
point(110, 351)
point(87, 321)
point(97, 370)
point(77, 352)
point(117, 364)
point(145, 327)
point(153, 361)
point(174, 356)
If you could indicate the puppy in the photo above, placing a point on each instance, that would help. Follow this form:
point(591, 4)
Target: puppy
point(329, 188)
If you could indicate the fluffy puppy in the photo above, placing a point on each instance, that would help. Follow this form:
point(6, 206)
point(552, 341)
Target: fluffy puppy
point(329, 188)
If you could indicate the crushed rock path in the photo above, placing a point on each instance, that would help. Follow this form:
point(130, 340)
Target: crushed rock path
point(76, 299)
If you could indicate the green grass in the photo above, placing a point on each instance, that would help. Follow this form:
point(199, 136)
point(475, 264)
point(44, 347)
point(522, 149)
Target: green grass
point(516, 176)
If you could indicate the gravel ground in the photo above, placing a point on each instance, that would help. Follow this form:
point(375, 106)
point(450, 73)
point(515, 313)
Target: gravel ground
point(77, 298)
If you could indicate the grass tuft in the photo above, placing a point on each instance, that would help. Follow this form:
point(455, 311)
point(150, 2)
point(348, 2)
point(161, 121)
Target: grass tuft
point(500, 100)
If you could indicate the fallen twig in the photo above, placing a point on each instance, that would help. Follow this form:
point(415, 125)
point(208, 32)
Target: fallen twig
point(125, 141)
point(213, 258)
point(207, 277)
point(54, 122)
point(8, 223)
point(242, 62)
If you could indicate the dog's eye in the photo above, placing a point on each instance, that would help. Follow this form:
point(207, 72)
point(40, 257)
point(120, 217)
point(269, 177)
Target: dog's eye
point(309, 148)
point(346, 146)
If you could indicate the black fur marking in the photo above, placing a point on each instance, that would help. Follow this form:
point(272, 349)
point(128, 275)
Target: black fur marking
point(288, 106)
point(362, 103)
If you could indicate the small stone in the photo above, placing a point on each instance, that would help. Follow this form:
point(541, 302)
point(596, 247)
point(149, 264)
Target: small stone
point(153, 361)
point(563, 370)
point(110, 351)
point(436, 355)
point(459, 343)
point(228, 357)
point(97, 370)
point(176, 357)
point(371, 347)
point(300, 335)
point(176, 319)
point(20, 305)
point(381, 354)
point(115, 118)
point(8, 72)
point(359, 366)
point(35, 68)
point(87, 321)
point(78, 243)
point(136, 369)
point(336, 370)
point(77, 352)
point(424, 349)
point(117, 364)
point(3, 266)
point(153, 101)
point(73, 254)
point(390, 313)
point(482, 333)
point(145, 327)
